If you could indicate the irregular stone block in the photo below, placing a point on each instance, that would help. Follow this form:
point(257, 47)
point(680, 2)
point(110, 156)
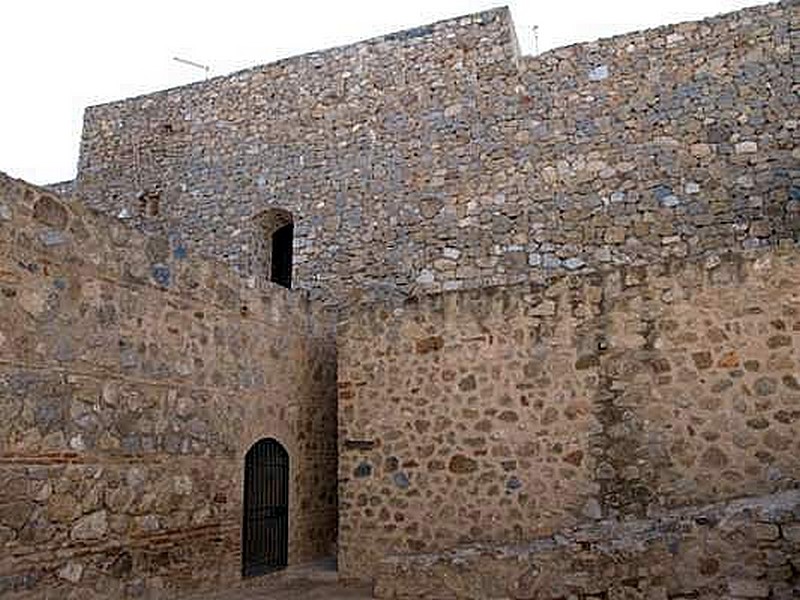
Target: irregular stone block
point(91, 527)
point(748, 588)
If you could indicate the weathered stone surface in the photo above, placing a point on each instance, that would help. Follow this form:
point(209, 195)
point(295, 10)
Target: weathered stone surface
point(748, 588)
point(461, 465)
point(127, 407)
point(15, 515)
point(615, 401)
point(659, 558)
point(91, 527)
point(791, 532)
point(71, 571)
point(637, 193)
point(403, 175)
point(50, 212)
point(429, 344)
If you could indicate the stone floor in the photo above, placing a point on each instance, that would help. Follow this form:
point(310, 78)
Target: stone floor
point(299, 590)
point(317, 581)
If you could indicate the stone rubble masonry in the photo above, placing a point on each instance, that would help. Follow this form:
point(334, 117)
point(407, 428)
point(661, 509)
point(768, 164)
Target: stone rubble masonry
point(571, 292)
point(62, 188)
point(438, 158)
point(506, 414)
point(132, 382)
point(748, 548)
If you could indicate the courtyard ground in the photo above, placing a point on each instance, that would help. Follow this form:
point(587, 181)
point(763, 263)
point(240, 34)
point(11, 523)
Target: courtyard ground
point(298, 590)
point(317, 581)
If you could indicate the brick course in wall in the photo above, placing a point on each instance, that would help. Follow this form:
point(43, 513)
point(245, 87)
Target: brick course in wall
point(439, 158)
point(132, 382)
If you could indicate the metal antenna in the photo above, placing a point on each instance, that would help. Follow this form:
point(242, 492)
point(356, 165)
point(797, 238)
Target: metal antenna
point(191, 63)
point(535, 39)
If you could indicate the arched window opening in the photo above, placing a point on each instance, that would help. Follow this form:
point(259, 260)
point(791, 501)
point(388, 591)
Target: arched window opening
point(275, 233)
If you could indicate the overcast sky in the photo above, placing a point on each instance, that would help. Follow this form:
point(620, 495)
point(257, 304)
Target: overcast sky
point(59, 56)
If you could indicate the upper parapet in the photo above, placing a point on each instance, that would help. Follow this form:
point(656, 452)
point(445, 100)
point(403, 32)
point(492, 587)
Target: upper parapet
point(466, 28)
point(44, 233)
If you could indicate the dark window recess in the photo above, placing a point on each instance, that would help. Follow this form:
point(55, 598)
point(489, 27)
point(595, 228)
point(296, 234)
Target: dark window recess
point(149, 203)
point(265, 529)
point(153, 206)
point(281, 269)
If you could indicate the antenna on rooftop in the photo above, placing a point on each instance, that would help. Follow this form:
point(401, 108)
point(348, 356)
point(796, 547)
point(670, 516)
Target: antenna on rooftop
point(191, 63)
point(535, 29)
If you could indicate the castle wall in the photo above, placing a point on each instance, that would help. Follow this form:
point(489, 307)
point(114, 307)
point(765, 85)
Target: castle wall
point(132, 382)
point(62, 188)
point(438, 159)
point(670, 142)
point(363, 144)
point(507, 414)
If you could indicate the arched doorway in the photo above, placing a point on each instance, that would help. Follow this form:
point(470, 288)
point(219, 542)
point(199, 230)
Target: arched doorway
point(265, 529)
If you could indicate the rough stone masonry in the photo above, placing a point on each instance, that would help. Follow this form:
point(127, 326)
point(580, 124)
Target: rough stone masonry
point(541, 342)
point(440, 159)
point(132, 382)
point(508, 415)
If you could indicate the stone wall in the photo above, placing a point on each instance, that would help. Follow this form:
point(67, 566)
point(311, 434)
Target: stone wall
point(749, 548)
point(359, 143)
point(671, 142)
point(438, 159)
point(510, 413)
point(132, 382)
point(62, 188)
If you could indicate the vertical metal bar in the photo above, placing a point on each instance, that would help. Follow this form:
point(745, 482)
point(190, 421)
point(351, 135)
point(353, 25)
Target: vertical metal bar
point(244, 519)
point(253, 509)
point(264, 558)
point(268, 514)
point(279, 512)
point(276, 538)
point(271, 505)
point(275, 481)
point(246, 534)
point(287, 473)
point(250, 540)
point(280, 501)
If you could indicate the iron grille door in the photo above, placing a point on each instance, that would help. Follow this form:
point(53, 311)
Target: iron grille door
point(265, 532)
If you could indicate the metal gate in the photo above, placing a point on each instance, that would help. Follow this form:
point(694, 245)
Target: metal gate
point(265, 531)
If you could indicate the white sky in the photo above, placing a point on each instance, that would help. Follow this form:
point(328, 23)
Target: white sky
point(59, 56)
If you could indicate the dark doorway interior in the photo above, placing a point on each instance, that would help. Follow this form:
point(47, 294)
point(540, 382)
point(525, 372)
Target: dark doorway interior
point(281, 271)
point(265, 531)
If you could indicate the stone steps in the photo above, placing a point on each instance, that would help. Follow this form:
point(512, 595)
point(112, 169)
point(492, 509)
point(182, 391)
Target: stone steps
point(745, 548)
